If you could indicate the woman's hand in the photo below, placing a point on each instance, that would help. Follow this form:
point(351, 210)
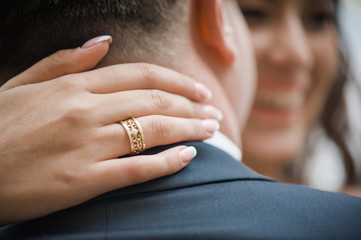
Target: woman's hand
point(60, 139)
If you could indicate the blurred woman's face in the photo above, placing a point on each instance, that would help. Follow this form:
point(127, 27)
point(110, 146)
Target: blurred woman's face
point(295, 43)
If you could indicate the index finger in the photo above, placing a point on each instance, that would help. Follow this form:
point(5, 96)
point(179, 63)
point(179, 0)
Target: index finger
point(61, 63)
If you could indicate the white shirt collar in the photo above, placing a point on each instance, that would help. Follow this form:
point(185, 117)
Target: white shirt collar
point(219, 140)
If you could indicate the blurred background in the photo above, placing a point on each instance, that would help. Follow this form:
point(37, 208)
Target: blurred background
point(326, 171)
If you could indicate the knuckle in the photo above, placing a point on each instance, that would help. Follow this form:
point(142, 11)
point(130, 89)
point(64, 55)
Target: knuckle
point(57, 57)
point(185, 82)
point(138, 171)
point(195, 130)
point(62, 61)
point(160, 127)
point(68, 83)
point(169, 163)
point(76, 112)
point(160, 99)
point(68, 178)
point(147, 73)
point(195, 110)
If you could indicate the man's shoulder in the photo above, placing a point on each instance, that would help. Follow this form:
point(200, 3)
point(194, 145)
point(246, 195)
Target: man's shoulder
point(221, 198)
point(214, 197)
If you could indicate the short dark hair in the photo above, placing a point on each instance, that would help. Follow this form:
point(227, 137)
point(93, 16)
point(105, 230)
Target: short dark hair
point(34, 29)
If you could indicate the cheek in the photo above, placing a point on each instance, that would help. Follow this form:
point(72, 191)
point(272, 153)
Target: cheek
point(326, 57)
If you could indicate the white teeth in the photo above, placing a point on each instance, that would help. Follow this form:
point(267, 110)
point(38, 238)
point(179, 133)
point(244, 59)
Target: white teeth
point(280, 101)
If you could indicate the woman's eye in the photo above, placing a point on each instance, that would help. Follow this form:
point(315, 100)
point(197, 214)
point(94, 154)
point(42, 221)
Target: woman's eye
point(254, 15)
point(319, 20)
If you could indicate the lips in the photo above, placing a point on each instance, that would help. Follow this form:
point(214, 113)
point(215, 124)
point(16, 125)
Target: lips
point(281, 100)
point(278, 109)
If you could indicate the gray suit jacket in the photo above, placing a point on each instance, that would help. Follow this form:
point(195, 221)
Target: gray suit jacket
point(214, 197)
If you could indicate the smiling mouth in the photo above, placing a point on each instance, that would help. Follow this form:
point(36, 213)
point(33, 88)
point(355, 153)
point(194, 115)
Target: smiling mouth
point(281, 102)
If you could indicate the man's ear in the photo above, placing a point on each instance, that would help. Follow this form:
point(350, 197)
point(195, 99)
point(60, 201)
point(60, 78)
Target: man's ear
point(212, 30)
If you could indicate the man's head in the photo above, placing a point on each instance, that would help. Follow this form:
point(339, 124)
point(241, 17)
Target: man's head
point(38, 28)
point(192, 37)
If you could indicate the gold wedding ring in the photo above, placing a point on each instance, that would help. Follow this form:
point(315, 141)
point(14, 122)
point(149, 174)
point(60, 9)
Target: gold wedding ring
point(135, 134)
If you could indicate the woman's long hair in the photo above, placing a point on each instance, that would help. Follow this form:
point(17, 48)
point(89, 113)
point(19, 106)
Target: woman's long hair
point(334, 118)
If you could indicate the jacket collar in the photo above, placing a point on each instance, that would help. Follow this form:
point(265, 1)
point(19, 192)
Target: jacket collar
point(221, 141)
point(211, 165)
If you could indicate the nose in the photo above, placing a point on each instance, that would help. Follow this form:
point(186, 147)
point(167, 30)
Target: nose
point(291, 48)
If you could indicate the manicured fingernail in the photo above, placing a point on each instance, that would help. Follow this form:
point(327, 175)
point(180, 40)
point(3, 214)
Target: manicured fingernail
point(213, 112)
point(187, 154)
point(93, 41)
point(203, 92)
point(210, 125)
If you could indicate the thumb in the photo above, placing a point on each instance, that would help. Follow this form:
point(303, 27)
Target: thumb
point(63, 62)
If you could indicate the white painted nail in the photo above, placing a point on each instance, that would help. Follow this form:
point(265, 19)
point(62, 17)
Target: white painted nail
point(187, 154)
